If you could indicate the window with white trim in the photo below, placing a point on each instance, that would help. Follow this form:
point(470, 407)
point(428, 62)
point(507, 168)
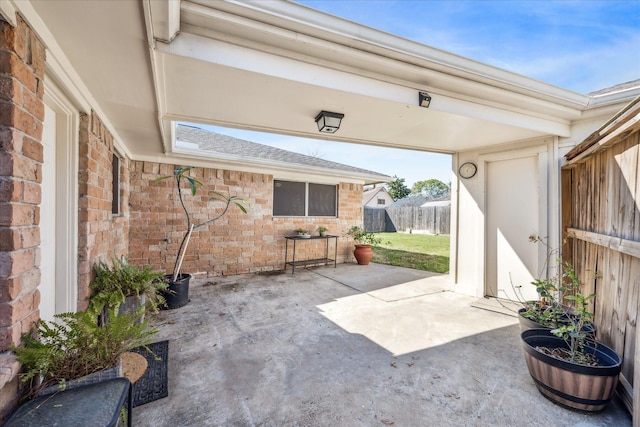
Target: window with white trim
point(381, 201)
point(291, 198)
point(115, 185)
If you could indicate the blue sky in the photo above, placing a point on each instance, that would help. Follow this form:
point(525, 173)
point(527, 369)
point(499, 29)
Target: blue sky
point(583, 46)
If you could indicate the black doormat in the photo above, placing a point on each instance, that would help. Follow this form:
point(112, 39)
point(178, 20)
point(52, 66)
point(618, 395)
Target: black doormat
point(153, 385)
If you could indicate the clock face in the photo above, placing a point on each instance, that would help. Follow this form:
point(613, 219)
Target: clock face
point(468, 170)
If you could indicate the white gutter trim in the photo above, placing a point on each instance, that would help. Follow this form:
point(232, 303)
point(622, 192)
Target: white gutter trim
point(325, 26)
point(8, 12)
point(165, 126)
point(614, 97)
point(163, 18)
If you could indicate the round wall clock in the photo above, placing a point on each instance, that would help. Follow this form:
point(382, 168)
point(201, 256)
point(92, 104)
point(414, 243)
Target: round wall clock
point(468, 170)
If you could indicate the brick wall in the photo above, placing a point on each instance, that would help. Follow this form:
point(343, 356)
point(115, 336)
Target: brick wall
point(235, 244)
point(22, 57)
point(101, 235)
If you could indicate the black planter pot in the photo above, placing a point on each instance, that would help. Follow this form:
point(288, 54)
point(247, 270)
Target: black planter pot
point(526, 324)
point(177, 295)
point(571, 385)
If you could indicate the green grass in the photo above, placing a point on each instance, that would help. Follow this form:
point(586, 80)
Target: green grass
point(418, 251)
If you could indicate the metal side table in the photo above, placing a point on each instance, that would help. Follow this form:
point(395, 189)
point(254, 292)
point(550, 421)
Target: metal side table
point(325, 260)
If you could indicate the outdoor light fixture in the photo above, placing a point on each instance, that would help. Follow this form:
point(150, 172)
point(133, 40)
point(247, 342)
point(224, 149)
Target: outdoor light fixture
point(424, 99)
point(328, 122)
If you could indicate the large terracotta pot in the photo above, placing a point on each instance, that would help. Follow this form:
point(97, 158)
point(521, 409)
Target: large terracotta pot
point(363, 254)
point(572, 385)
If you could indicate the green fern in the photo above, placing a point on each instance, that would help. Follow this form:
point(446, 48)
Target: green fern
point(74, 345)
point(113, 283)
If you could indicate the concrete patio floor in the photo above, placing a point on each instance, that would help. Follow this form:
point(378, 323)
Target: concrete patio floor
point(347, 346)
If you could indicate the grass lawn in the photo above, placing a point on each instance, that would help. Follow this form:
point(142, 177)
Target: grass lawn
point(419, 251)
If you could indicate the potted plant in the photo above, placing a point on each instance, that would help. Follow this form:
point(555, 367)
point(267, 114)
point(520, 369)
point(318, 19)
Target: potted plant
point(322, 230)
point(365, 240)
point(125, 287)
point(74, 349)
point(303, 232)
point(177, 294)
point(549, 311)
point(567, 363)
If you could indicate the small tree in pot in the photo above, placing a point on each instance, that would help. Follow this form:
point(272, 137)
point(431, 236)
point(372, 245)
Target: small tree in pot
point(178, 293)
point(364, 242)
point(568, 365)
point(554, 290)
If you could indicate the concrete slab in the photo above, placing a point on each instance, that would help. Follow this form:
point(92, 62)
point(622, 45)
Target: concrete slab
point(351, 346)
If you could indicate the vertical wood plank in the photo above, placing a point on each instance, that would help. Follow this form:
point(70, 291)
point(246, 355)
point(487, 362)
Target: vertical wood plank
point(602, 195)
point(636, 378)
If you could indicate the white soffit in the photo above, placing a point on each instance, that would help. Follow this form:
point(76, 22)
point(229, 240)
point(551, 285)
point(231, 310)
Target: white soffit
point(99, 51)
point(272, 66)
point(269, 66)
point(209, 81)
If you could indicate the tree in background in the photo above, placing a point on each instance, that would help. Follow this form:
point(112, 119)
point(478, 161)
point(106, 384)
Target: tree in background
point(432, 188)
point(397, 188)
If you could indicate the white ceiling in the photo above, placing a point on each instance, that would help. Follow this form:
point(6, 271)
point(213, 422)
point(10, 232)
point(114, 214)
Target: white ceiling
point(272, 66)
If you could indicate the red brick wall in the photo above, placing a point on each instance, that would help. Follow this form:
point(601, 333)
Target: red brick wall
point(235, 244)
point(101, 235)
point(22, 57)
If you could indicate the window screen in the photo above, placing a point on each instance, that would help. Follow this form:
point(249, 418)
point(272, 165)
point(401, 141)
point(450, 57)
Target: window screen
point(288, 198)
point(322, 200)
point(115, 185)
point(304, 199)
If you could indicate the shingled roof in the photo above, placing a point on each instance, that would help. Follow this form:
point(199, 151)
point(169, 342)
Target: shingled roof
point(617, 88)
point(225, 145)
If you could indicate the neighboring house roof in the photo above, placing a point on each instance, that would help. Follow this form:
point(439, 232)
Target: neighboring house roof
point(420, 201)
point(622, 123)
point(368, 195)
point(443, 201)
point(410, 201)
point(226, 146)
point(617, 88)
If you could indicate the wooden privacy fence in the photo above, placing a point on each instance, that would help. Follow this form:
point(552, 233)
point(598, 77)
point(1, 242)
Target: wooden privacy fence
point(374, 219)
point(431, 219)
point(601, 215)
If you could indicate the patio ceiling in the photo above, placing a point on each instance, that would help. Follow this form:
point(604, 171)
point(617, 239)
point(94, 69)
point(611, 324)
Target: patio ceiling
point(272, 66)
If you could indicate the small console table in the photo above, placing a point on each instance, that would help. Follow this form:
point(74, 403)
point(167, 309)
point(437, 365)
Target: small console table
point(296, 263)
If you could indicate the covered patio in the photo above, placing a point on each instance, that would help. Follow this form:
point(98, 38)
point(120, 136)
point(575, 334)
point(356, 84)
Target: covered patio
point(347, 346)
point(88, 123)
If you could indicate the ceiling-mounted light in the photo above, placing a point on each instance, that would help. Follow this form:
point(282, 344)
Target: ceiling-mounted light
point(424, 99)
point(328, 122)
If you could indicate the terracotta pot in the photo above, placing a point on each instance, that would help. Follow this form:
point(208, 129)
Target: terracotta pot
point(363, 254)
point(571, 385)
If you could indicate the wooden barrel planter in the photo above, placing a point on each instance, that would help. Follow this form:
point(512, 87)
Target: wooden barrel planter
point(578, 387)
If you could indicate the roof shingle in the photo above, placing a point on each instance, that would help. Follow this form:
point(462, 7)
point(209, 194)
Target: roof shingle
point(223, 144)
